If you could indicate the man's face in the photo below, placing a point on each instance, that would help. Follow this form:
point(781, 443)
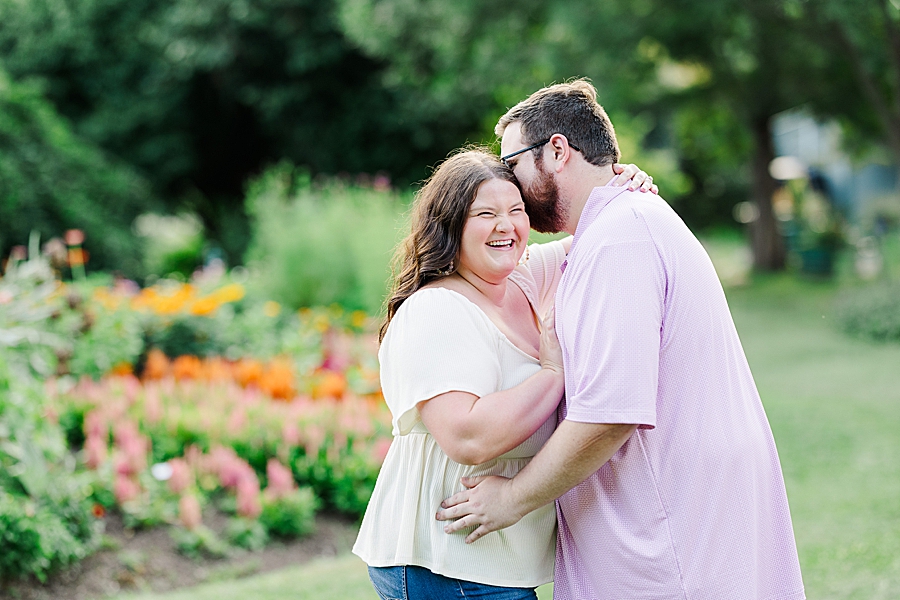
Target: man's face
point(539, 189)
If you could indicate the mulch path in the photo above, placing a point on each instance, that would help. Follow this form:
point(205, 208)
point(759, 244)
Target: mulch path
point(146, 560)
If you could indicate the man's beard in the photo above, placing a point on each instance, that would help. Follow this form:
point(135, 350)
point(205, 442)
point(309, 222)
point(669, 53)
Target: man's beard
point(543, 205)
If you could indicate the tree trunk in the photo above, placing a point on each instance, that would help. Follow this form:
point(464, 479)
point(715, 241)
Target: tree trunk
point(765, 237)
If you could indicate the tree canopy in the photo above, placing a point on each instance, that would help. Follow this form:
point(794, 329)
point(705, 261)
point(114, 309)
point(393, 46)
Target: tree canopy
point(199, 97)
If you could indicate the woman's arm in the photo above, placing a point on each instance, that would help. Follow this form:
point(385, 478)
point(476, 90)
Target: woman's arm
point(472, 430)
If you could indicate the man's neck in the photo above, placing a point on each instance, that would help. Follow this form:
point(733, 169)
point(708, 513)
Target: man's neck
point(578, 186)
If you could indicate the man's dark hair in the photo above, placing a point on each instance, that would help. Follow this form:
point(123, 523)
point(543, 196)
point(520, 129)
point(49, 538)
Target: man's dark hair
point(570, 109)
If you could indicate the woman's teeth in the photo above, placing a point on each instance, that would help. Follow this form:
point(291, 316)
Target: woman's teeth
point(501, 244)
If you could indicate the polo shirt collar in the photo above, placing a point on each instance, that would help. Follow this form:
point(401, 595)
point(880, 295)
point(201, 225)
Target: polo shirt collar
point(596, 202)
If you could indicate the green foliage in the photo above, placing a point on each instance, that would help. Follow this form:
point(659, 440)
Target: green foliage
point(291, 515)
point(197, 336)
point(249, 534)
point(38, 537)
point(322, 244)
point(201, 541)
point(172, 244)
point(342, 478)
point(201, 96)
point(108, 339)
point(871, 312)
point(51, 181)
point(45, 519)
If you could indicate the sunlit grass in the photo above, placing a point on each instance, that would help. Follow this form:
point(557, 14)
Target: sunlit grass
point(834, 406)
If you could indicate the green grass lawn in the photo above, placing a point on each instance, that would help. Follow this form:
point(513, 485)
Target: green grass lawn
point(834, 406)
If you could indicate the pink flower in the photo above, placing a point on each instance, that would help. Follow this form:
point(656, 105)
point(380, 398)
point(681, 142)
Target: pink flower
point(95, 425)
point(248, 504)
point(315, 436)
point(380, 449)
point(189, 511)
point(281, 479)
point(237, 421)
point(74, 237)
point(290, 434)
point(95, 452)
point(181, 477)
point(125, 489)
point(153, 410)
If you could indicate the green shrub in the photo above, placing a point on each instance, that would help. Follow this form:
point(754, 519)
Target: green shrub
point(45, 518)
point(51, 181)
point(201, 541)
point(321, 244)
point(871, 312)
point(292, 515)
point(248, 534)
point(37, 537)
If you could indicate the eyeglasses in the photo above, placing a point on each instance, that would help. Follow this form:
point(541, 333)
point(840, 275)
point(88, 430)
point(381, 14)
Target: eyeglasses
point(506, 158)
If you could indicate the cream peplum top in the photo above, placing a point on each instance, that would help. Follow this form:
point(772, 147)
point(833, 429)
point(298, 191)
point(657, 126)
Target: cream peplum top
point(439, 341)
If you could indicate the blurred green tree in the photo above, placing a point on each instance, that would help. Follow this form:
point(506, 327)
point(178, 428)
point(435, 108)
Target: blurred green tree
point(51, 181)
point(864, 35)
point(200, 96)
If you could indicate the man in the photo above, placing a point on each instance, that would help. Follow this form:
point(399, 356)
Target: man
point(664, 465)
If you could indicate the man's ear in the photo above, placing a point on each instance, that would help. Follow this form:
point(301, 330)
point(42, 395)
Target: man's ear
point(562, 151)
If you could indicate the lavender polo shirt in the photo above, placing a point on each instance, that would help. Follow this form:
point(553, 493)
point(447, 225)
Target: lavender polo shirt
point(693, 506)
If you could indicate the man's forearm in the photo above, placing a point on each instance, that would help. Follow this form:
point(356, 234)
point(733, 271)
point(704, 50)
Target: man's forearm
point(571, 455)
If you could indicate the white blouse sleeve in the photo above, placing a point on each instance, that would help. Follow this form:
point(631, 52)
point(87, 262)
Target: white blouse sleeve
point(544, 262)
point(437, 342)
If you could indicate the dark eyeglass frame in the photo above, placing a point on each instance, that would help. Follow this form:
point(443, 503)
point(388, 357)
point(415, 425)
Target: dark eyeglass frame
point(504, 159)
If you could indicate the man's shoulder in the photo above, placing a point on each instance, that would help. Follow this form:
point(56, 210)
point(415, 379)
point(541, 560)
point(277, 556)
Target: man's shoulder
point(625, 218)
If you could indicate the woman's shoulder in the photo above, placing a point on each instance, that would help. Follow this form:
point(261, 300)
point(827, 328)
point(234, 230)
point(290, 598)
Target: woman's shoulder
point(439, 307)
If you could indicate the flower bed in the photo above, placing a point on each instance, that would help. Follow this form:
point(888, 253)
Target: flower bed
point(167, 399)
point(333, 445)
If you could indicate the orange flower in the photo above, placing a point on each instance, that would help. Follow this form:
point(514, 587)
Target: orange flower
point(204, 306)
point(187, 367)
point(248, 372)
point(98, 511)
point(123, 368)
point(217, 369)
point(76, 257)
point(157, 365)
point(330, 385)
point(278, 380)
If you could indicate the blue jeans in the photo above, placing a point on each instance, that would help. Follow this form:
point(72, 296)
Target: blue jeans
point(418, 583)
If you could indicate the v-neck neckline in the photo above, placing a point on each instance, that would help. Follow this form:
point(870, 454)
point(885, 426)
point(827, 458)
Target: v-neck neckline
point(503, 336)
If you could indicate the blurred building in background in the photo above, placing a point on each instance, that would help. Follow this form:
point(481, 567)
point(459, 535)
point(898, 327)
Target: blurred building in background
point(864, 191)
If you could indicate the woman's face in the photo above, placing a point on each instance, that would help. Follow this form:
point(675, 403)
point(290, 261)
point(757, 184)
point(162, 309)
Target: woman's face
point(496, 232)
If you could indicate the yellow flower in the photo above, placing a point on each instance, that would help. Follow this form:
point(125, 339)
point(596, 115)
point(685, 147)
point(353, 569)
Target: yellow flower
point(271, 309)
point(229, 293)
point(321, 322)
point(358, 319)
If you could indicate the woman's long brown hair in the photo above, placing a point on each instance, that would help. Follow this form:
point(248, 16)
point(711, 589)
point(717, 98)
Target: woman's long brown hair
point(438, 217)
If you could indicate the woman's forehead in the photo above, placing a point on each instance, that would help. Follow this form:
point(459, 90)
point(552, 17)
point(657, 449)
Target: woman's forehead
point(496, 192)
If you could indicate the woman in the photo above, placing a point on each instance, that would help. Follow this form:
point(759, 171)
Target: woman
point(473, 380)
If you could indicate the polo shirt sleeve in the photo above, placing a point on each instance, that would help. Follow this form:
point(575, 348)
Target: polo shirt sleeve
point(437, 342)
point(610, 322)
